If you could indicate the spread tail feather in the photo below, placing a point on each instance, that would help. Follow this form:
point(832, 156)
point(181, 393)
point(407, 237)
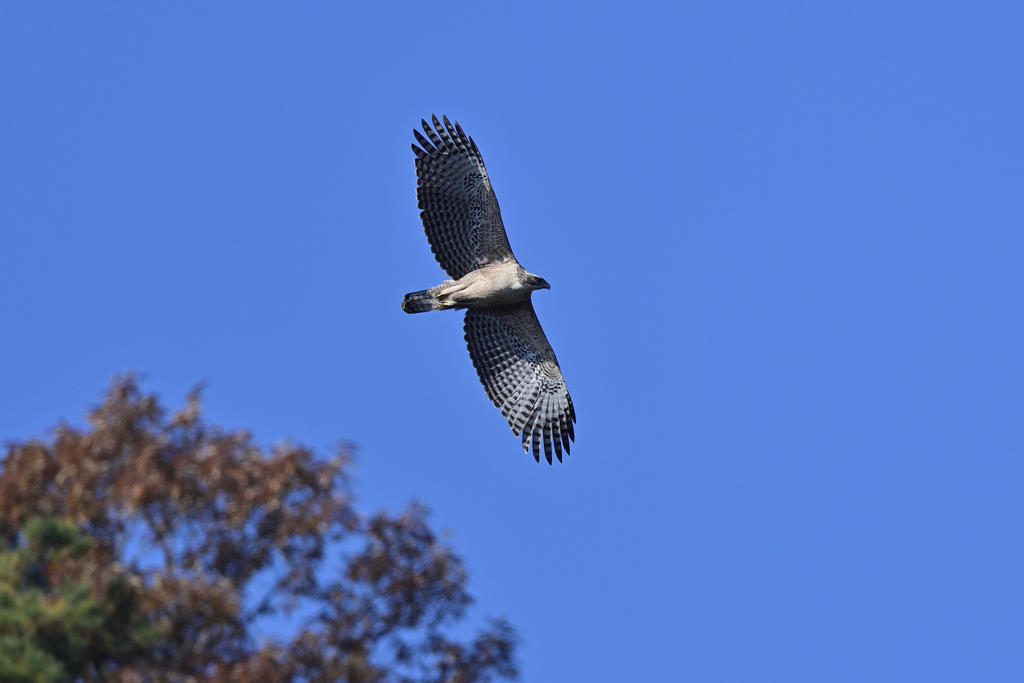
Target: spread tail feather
point(421, 302)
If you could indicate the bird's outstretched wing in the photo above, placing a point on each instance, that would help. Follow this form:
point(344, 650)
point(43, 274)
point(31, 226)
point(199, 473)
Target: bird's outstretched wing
point(518, 368)
point(459, 210)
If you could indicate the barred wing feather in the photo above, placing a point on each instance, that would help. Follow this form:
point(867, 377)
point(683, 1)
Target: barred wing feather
point(519, 370)
point(458, 208)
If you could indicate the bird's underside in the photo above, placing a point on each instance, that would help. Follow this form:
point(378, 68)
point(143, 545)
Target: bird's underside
point(508, 348)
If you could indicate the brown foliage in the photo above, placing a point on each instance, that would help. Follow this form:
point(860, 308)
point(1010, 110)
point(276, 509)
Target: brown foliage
point(219, 538)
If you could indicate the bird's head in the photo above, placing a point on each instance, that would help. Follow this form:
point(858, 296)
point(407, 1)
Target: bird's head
point(536, 282)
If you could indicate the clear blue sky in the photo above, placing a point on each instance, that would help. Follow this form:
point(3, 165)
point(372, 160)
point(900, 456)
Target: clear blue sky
point(785, 243)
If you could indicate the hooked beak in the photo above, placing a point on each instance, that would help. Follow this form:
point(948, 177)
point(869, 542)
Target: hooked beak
point(544, 284)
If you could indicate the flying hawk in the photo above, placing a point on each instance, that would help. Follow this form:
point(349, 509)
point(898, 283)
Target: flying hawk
point(506, 343)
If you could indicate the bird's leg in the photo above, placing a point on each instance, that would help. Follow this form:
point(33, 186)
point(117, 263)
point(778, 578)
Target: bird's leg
point(446, 289)
point(451, 286)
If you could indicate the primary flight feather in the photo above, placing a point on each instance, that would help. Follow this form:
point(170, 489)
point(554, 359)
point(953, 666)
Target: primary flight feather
point(511, 355)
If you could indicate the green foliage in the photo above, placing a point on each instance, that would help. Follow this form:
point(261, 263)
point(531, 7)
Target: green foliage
point(53, 629)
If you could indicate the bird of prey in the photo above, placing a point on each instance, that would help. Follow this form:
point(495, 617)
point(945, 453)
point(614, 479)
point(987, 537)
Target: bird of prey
point(511, 355)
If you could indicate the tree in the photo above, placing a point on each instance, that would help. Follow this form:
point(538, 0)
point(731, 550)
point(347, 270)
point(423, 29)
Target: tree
point(151, 547)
